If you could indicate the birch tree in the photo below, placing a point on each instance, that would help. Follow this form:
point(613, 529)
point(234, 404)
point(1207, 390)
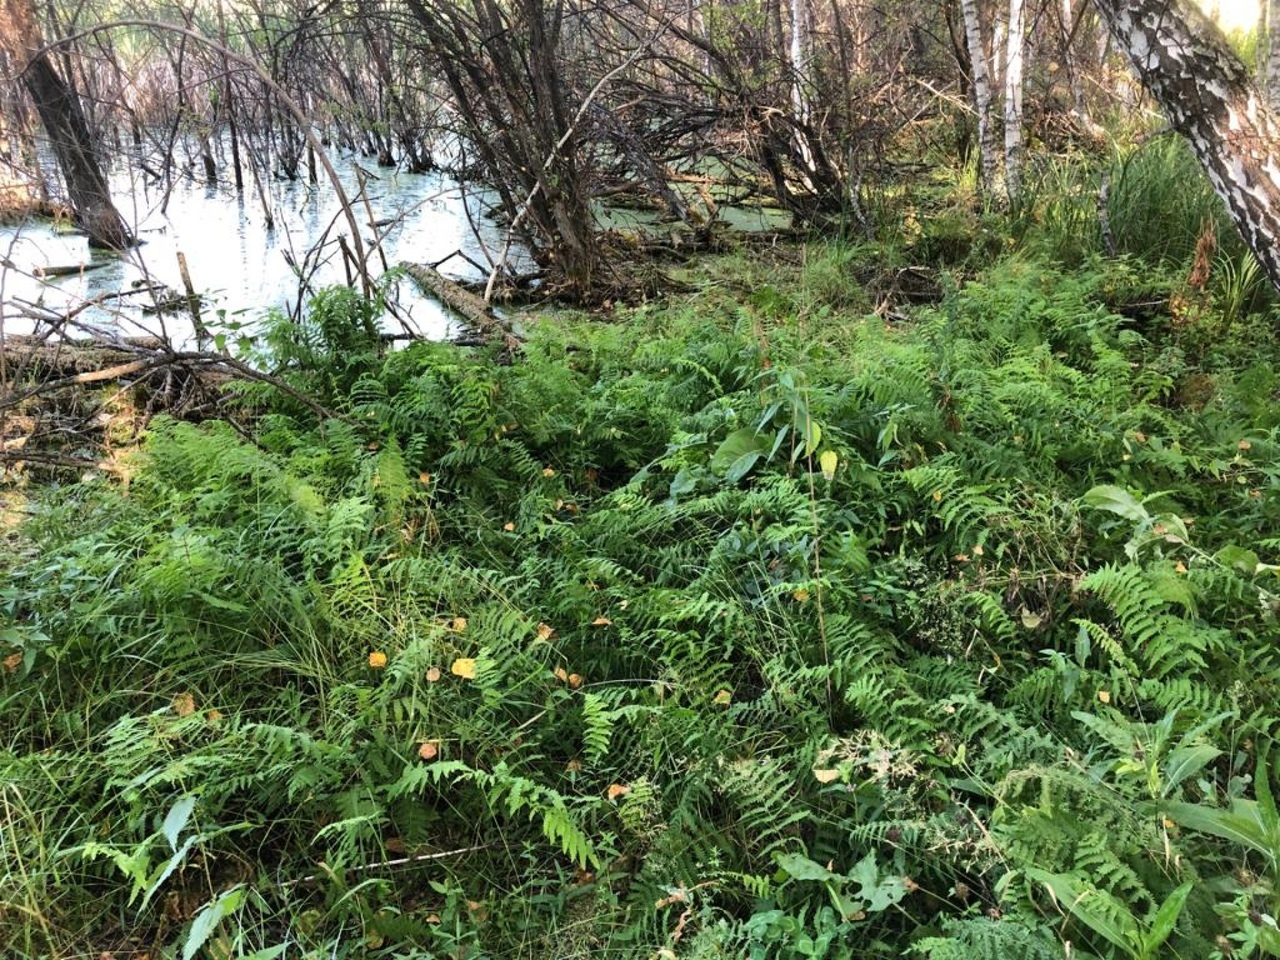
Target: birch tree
point(1271, 9)
point(1209, 97)
point(1013, 72)
point(802, 54)
point(981, 94)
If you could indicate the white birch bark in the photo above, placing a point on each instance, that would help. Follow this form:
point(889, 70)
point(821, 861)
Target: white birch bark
point(801, 55)
point(1013, 71)
point(1273, 51)
point(1210, 98)
point(981, 95)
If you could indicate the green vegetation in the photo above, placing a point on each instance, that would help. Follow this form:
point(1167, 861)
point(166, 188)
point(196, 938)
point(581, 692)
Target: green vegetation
point(750, 624)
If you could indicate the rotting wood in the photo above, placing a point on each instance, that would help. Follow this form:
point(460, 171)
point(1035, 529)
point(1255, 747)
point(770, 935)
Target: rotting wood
point(67, 269)
point(470, 306)
point(62, 357)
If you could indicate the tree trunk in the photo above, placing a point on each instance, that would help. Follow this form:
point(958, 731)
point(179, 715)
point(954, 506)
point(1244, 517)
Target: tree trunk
point(64, 123)
point(1272, 12)
point(802, 55)
point(1210, 98)
point(981, 94)
point(1013, 70)
point(502, 64)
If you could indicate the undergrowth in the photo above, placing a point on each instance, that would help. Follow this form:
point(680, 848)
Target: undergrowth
point(754, 626)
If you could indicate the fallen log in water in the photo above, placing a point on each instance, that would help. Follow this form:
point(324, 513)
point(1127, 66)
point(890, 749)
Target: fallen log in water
point(484, 323)
point(66, 270)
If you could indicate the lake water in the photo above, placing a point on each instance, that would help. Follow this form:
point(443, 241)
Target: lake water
point(238, 265)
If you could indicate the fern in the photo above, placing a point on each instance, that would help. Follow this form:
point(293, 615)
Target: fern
point(597, 723)
point(974, 939)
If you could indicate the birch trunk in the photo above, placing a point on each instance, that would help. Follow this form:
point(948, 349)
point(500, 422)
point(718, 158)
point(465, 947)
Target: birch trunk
point(981, 95)
point(1013, 70)
point(1273, 52)
point(802, 55)
point(1209, 97)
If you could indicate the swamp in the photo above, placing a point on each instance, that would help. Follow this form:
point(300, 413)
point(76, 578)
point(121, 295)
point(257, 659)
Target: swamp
point(761, 479)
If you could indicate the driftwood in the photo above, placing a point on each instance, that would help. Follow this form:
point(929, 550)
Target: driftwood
point(66, 270)
point(63, 358)
point(485, 324)
point(55, 413)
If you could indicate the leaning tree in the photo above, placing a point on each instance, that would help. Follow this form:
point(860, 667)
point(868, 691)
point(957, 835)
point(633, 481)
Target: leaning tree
point(1210, 97)
point(22, 45)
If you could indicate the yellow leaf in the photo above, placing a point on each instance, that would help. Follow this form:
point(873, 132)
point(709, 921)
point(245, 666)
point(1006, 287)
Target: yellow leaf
point(826, 775)
point(424, 478)
point(509, 527)
point(801, 594)
point(828, 461)
point(548, 472)
point(1030, 619)
point(546, 631)
point(12, 662)
point(1104, 696)
point(184, 704)
point(464, 667)
point(617, 790)
point(601, 622)
point(977, 550)
point(1179, 567)
point(937, 496)
point(377, 660)
point(433, 675)
point(429, 750)
point(724, 696)
point(1244, 445)
point(573, 766)
point(575, 680)
point(459, 625)
point(561, 674)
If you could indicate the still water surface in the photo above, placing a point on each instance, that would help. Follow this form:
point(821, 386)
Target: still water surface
point(240, 266)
